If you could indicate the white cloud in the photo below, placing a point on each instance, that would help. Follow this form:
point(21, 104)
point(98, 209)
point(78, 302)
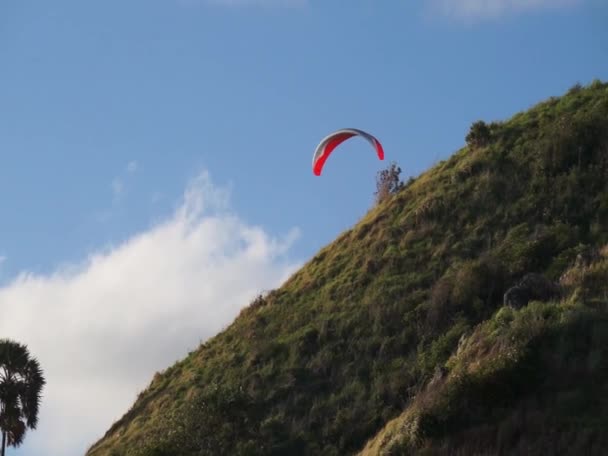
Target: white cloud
point(483, 9)
point(118, 188)
point(132, 166)
point(102, 328)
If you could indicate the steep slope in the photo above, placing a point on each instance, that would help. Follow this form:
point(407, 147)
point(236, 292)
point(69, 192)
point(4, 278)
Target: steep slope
point(320, 365)
point(532, 381)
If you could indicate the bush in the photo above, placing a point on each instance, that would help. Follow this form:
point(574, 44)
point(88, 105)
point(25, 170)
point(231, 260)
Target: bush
point(479, 134)
point(576, 88)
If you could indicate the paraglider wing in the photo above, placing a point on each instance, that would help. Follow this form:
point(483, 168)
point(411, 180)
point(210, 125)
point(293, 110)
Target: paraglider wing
point(330, 142)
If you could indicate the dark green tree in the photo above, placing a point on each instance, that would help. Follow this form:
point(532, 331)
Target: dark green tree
point(21, 383)
point(388, 182)
point(479, 134)
point(576, 88)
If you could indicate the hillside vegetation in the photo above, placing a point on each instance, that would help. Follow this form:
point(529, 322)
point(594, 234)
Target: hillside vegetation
point(394, 338)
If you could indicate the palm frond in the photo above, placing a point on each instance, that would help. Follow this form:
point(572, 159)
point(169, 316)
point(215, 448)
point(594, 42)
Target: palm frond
point(21, 383)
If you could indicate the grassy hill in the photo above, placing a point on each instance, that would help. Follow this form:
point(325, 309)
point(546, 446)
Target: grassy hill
point(394, 338)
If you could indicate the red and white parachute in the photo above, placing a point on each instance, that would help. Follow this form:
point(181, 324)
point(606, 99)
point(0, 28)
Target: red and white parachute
point(330, 142)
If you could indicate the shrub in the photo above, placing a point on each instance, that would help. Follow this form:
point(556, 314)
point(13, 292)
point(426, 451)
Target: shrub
point(479, 134)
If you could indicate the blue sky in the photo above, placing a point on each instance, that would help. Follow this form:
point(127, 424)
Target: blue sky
point(136, 133)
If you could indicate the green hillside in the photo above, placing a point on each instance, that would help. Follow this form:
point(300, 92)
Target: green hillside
point(394, 338)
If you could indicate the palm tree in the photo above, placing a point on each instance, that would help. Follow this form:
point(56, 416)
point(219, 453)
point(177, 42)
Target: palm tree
point(21, 383)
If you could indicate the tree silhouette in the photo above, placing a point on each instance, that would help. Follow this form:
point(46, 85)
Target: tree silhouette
point(21, 383)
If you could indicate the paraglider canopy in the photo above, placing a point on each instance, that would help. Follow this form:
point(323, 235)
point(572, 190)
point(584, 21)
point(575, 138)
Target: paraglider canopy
point(330, 142)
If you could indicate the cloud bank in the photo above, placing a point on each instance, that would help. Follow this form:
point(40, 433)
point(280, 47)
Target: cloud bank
point(102, 328)
point(486, 9)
